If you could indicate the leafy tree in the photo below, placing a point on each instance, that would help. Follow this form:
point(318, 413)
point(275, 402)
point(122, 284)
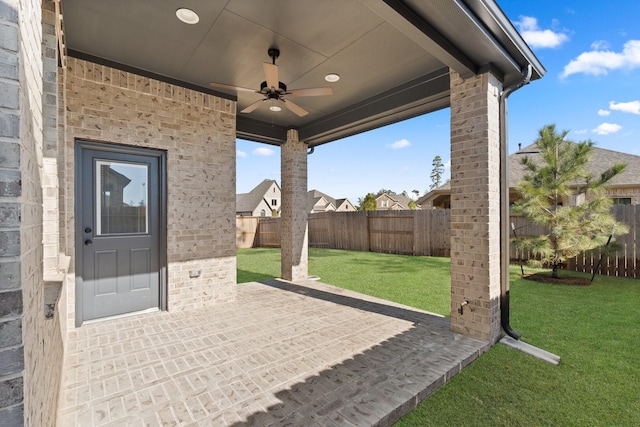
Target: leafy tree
point(368, 203)
point(560, 175)
point(412, 205)
point(436, 172)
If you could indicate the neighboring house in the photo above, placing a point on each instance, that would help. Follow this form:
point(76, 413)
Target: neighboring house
point(439, 197)
point(263, 200)
point(623, 189)
point(317, 201)
point(392, 202)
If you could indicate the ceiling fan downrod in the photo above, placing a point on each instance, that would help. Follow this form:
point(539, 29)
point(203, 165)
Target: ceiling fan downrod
point(273, 54)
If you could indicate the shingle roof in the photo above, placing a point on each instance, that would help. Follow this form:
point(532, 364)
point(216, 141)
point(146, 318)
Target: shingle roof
point(398, 198)
point(339, 202)
point(248, 202)
point(313, 196)
point(601, 159)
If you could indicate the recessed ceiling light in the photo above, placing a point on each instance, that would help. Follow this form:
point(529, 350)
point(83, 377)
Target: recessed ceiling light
point(275, 108)
point(332, 77)
point(187, 16)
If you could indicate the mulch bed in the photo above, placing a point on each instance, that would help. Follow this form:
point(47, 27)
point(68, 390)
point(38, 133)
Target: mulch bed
point(563, 280)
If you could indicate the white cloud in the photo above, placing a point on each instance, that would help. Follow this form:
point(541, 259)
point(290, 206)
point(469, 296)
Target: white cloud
point(580, 132)
point(537, 37)
point(241, 153)
point(603, 112)
point(607, 128)
point(600, 45)
point(402, 143)
point(262, 151)
point(600, 62)
point(447, 165)
point(632, 107)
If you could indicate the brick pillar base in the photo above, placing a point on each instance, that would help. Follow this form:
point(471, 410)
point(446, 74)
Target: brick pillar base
point(475, 206)
point(293, 226)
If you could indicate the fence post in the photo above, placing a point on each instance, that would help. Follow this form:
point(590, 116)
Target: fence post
point(366, 215)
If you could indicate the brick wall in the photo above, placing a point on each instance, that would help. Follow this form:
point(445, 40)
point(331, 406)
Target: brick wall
point(50, 139)
point(198, 133)
point(30, 344)
point(631, 192)
point(475, 206)
point(17, 141)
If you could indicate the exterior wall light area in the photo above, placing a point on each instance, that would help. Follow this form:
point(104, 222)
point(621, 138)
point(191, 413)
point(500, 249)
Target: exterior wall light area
point(187, 16)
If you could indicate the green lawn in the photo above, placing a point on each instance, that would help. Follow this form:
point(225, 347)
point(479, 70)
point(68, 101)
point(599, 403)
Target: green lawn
point(421, 282)
point(595, 329)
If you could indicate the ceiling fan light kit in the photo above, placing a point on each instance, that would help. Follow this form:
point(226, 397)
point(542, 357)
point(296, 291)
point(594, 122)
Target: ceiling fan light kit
point(273, 90)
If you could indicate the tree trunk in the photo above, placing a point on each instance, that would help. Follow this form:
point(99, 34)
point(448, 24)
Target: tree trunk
point(554, 271)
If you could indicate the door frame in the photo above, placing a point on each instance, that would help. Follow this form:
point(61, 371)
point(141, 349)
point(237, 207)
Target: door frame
point(80, 145)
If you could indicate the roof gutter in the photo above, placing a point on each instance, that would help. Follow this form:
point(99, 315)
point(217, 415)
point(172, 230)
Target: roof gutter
point(504, 203)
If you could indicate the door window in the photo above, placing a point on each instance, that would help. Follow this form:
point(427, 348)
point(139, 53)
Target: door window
point(121, 198)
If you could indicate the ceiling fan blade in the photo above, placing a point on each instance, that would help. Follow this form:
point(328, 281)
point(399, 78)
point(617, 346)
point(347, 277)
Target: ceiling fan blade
point(313, 91)
point(253, 106)
point(294, 107)
point(271, 75)
point(229, 87)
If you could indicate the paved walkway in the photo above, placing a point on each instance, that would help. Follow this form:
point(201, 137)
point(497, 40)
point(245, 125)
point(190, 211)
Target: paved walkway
point(281, 355)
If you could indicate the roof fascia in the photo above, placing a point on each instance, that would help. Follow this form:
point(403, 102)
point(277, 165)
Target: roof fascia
point(495, 21)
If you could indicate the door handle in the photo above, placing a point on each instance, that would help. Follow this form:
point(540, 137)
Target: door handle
point(88, 242)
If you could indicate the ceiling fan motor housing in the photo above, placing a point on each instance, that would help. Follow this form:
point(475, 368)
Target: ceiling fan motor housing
point(266, 90)
point(274, 53)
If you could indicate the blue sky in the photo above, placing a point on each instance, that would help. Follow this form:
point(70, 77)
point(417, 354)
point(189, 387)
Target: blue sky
point(591, 51)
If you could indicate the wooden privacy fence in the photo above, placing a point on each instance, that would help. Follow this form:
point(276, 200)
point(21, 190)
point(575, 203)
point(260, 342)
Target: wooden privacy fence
point(624, 263)
point(257, 232)
point(398, 232)
point(427, 232)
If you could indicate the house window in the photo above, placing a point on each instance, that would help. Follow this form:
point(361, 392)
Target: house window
point(263, 213)
point(274, 202)
point(384, 203)
point(621, 200)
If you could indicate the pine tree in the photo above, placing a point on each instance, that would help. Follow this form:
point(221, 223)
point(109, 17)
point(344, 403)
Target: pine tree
point(436, 172)
point(559, 176)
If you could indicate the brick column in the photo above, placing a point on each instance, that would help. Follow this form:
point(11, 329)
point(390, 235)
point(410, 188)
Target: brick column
point(12, 252)
point(50, 192)
point(293, 226)
point(475, 206)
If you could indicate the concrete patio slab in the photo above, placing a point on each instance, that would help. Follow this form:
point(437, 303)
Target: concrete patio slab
point(282, 354)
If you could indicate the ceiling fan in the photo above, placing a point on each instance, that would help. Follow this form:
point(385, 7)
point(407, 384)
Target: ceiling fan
point(274, 90)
